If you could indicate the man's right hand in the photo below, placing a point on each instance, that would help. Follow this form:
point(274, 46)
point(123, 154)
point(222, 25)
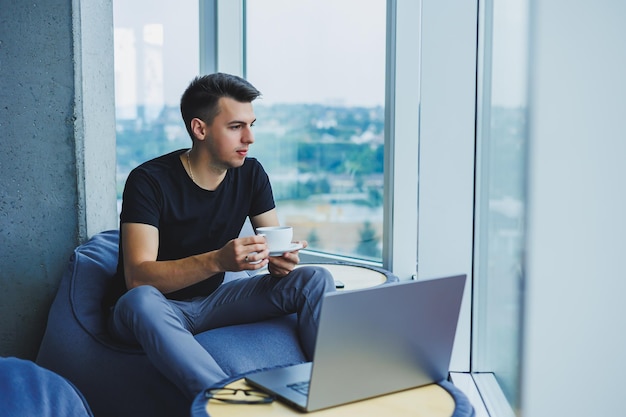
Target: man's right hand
point(244, 253)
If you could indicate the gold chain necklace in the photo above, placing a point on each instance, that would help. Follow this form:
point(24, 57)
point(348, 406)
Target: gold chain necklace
point(189, 165)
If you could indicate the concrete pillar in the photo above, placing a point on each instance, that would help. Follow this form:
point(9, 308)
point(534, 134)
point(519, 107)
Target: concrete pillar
point(57, 165)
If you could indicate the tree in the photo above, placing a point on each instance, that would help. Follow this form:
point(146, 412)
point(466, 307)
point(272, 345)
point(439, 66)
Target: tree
point(368, 241)
point(313, 239)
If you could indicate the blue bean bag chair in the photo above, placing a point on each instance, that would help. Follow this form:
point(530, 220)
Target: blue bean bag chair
point(28, 390)
point(119, 380)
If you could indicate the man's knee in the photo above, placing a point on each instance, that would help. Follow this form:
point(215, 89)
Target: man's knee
point(318, 277)
point(140, 299)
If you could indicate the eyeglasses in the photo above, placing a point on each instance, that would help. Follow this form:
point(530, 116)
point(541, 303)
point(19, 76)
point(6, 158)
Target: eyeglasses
point(229, 396)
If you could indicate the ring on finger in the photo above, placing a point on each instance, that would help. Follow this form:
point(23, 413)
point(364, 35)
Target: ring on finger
point(246, 258)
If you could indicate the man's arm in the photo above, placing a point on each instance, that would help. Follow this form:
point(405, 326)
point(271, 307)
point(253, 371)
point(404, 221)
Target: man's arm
point(278, 266)
point(141, 245)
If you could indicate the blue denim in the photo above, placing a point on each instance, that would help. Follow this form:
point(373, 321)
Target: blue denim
point(165, 328)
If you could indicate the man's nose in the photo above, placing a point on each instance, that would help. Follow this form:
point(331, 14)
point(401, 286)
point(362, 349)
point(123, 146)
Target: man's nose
point(248, 135)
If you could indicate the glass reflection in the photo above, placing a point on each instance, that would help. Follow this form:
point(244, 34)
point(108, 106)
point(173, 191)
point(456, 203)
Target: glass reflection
point(502, 139)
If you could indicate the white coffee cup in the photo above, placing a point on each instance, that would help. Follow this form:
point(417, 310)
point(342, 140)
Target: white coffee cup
point(278, 237)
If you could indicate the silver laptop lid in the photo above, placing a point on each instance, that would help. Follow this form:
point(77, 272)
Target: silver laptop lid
point(384, 339)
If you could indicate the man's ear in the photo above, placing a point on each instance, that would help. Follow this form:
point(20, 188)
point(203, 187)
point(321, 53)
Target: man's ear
point(199, 128)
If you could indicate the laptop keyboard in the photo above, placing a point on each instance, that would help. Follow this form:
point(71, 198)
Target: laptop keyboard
point(301, 387)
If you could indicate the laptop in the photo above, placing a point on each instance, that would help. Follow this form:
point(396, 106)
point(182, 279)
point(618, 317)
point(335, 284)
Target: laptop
point(371, 342)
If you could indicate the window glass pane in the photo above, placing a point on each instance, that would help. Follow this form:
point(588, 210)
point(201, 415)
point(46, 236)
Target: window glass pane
point(501, 200)
point(320, 122)
point(156, 56)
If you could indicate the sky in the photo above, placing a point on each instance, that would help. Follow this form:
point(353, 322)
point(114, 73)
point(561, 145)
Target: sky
point(318, 51)
point(510, 53)
point(326, 51)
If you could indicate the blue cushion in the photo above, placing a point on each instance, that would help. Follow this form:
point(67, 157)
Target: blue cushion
point(275, 341)
point(28, 390)
point(462, 405)
point(119, 380)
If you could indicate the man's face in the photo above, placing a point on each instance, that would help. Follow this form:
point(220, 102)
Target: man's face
point(230, 135)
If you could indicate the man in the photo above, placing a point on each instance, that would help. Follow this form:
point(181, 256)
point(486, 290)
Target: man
point(179, 226)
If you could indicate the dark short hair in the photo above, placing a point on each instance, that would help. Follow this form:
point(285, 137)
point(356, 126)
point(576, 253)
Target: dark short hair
point(203, 93)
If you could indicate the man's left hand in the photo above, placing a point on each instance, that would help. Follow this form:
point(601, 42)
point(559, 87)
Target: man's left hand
point(279, 266)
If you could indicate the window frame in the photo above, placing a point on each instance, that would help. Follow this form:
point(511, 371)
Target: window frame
point(447, 146)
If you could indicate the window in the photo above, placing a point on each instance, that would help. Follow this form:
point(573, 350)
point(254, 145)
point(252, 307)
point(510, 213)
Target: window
point(502, 137)
point(156, 56)
point(471, 214)
point(320, 123)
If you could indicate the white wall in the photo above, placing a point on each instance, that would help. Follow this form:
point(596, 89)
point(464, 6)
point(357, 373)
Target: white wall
point(574, 357)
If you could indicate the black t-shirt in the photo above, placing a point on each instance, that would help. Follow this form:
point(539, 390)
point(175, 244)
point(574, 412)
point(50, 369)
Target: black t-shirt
point(190, 219)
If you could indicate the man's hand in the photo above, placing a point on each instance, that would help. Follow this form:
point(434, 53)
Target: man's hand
point(279, 266)
point(245, 253)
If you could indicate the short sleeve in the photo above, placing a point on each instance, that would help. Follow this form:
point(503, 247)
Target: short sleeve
point(263, 197)
point(142, 199)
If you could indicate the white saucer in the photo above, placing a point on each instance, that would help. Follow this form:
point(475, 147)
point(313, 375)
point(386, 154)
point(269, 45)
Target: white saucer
point(291, 248)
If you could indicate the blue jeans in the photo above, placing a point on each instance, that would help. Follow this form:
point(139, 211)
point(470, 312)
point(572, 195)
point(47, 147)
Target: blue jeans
point(165, 328)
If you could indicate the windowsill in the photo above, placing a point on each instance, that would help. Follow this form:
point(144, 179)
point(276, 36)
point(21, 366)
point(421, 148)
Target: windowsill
point(484, 393)
point(352, 276)
point(312, 256)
